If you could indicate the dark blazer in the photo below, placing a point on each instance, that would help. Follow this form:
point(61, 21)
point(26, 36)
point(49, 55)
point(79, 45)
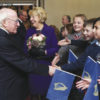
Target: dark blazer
point(19, 38)
point(14, 67)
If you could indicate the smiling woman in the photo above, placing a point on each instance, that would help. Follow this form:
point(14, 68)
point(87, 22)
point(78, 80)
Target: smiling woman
point(39, 84)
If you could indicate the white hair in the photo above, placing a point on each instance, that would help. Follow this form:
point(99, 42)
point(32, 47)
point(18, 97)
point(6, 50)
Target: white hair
point(5, 13)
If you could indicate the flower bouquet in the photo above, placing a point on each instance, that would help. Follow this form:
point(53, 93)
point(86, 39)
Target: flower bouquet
point(36, 40)
point(36, 45)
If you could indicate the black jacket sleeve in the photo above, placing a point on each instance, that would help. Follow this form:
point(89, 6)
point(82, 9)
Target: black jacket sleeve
point(12, 57)
point(80, 43)
point(78, 64)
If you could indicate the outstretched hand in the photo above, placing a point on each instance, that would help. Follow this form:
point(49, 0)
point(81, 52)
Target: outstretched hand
point(83, 84)
point(64, 42)
point(52, 69)
point(55, 60)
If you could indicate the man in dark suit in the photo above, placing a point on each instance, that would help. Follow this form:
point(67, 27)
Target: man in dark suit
point(22, 14)
point(14, 65)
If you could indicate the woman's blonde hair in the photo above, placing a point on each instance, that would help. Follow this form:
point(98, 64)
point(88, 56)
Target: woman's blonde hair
point(40, 12)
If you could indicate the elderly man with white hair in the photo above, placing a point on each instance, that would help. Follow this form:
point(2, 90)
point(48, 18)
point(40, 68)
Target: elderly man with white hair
point(14, 65)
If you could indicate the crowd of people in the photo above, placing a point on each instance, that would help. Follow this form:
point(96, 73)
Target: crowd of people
point(28, 71)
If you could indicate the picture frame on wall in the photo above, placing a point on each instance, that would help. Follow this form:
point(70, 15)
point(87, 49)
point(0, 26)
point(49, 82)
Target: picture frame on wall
point(21, 4)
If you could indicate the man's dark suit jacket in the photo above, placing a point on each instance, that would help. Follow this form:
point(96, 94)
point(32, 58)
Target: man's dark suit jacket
point(14, 67)
point(19, 38)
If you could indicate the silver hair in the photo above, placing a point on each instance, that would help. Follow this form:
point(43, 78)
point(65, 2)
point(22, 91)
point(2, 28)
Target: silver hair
point(5, 13)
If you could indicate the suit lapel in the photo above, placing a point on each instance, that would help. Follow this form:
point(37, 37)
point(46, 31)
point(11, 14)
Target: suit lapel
point(13, 42)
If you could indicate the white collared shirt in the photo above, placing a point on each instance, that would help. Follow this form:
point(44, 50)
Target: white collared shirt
point(20, 20)
point(98, 43)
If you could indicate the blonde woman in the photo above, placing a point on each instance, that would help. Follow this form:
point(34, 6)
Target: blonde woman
point(39, 84)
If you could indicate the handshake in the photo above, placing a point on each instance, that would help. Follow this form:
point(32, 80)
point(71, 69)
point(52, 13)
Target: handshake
point(52, 69)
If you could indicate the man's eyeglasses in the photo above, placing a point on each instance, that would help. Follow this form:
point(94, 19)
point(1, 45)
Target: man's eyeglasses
point(17, 21)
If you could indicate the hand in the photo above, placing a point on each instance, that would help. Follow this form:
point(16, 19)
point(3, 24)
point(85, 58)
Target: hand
point(98, 80)
point(64, 42)
point(41, 51)
point(83, 84)
point(37, 52)
point(52, 69)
